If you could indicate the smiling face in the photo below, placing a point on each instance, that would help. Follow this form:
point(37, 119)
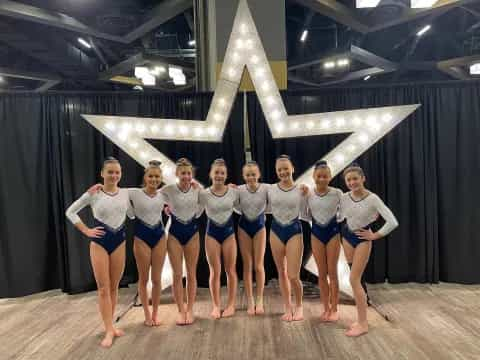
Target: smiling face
point(355, 180)
point(218, 174)
point(322, 176)
point(153, 178)
point(111, 174)
point(184, 174)
point(251, 174)
point(284, 169)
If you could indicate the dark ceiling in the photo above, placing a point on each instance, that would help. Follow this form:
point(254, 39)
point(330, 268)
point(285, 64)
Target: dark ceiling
point(34, 55)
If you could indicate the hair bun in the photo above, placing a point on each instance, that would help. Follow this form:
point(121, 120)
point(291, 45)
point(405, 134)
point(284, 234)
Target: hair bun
point(283, 156)
point(155, 163)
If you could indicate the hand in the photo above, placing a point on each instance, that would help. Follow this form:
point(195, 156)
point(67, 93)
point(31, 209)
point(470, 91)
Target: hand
point(95, 188)
point(233, 186)
point(96, 232)
point(195, 185)
point(367, 234)
point(167, 210)
point(304, 188)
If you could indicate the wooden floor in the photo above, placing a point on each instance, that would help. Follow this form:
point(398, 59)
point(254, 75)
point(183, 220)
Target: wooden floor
point(427, 322)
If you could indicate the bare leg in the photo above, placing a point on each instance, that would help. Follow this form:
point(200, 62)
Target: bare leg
point(320, 256)
point(259, 244)
point(158, 259)
point(101, 269)
point(294, 253)
point(213, 250)
point(360, 259)
point(117, 265)
point(333, 252)
point(175, 255)
point(246, 249)
point(191, 251)
point(278, 252)
point(143, 258)
point(229, 251)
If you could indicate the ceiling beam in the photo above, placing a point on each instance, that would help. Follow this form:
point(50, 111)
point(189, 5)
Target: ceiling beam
point(160, 14)
point(48, 79)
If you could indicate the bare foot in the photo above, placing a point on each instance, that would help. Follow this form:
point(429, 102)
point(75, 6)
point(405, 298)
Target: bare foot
point(251, 309)
point(189, 319)
point(333, 316)
point(287, 316)
point(298, 315)
point(107, 340)
point(324, 316)
point(118, 332)
point(356, 330)
point(148, 322)
point(228, 312)
point(215, 314)
point(155, 321)
point(259, 310)
point(181, 318)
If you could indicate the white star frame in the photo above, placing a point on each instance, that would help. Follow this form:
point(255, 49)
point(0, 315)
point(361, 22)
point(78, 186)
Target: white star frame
point(245, 49)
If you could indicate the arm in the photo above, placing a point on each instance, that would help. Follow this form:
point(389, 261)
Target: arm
point(72, 215)
point(390, 223)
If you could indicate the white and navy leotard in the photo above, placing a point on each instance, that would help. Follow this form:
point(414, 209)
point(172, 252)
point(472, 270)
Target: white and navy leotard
point(360, 214)
point(322, 211)
point(286, 207)
point(219, 209)
point(252, 205)
point(184, 210)
point(109, 211)
point(148, 213)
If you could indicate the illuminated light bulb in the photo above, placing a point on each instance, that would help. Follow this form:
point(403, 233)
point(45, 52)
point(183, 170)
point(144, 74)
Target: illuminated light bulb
point(265, 86)
point(235, 57)
point(255, 59)
point(122, 136)
point(351, 148)
point(280, 127)
point(211, 130)
point(249, 44)
point(310, 125)
point(126, 127)
point(340, 122)
point(295, 125)
point(222, 102)
point(329, 65)
point(183, 129)
point(357, 121)
point(325, 124)
point(260, 72)
point(275, 114)
point(339, 158)
point(239, 44)
point(167, 170)
point(143, 155)
point(217, 117)
point(110, 126)
point(140, 128)
point(198, 131)
point(134, 145)
point(363, 138)
point(387, 118)
point(243, 28)
point(169, 129)
point(154, 129)
point(270, 100)
point(232, 72)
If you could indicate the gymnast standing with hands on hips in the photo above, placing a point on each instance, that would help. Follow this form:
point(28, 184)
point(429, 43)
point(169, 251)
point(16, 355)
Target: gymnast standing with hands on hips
point(359, 208)
point(110, 207)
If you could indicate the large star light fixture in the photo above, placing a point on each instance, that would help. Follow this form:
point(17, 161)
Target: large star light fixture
point(245, 49)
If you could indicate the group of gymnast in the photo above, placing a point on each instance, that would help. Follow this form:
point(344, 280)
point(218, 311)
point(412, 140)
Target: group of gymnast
point(337, 219)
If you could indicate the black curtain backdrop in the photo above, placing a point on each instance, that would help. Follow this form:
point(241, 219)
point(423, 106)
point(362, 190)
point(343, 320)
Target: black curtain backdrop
point(50, 155)
point(427, 170)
